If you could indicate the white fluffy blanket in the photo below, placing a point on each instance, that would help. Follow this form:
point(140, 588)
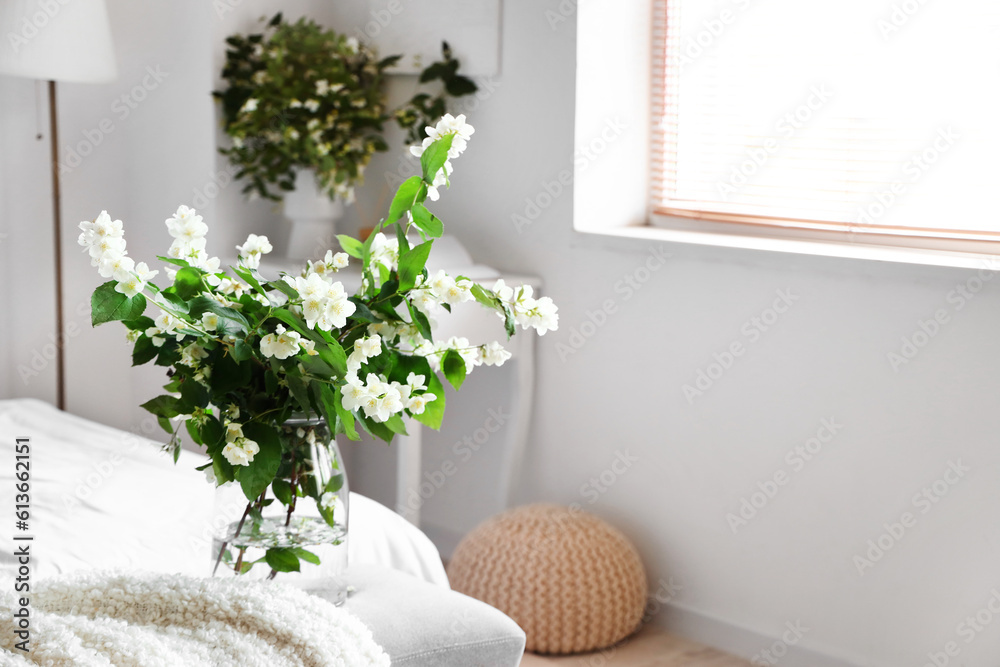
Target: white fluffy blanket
point(152, 620)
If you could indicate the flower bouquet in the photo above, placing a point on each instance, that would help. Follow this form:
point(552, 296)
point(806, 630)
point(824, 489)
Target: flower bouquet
point(246, 354)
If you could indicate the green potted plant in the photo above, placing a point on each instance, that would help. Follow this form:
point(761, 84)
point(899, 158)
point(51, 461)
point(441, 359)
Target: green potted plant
point(305, 107)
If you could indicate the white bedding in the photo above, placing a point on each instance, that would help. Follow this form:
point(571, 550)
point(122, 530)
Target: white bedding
point(105, 498)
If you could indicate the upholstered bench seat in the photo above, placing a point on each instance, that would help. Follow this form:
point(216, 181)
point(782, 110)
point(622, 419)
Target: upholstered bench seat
point(423, 625)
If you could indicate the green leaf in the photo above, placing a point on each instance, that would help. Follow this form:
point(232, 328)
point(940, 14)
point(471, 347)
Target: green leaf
point(107, 305)
point(361, 312)
point(336, 482)
point(291, 320)
point(284, 288)
point(345, 415)
point(176, 302)
point(223, 469)
point(453, 366)
point(171, 260)
point(230, 320)
point(299, 391)
point(459, 85)
point(426, 221)
point(164, 406)
point(396, 424)
point(242, 350)
point(351, 245)
point(406, 196)
point(144, 351)
point(307, 556)
point(229, 374)
point(282, 559)
point(192, 429)
point(282, 491)
point(187, 282)
point(411, 265)
point(330, 351)
point(257, 476)
point(420, 321)
point(247, 276)
point(435, 156)
point(433, 413)
point(139, 323)
point(376, 429)
point(193, 395)
point(212, 434)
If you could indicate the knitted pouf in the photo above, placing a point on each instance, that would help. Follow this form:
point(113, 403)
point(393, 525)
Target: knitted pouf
point(571, 581)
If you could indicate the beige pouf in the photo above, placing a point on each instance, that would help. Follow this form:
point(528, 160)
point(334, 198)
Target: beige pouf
point(571, 581)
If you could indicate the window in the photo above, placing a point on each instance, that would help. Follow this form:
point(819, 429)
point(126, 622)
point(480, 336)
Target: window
point(874, 123)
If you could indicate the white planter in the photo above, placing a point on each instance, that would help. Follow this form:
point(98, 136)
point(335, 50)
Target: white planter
point(312, 216)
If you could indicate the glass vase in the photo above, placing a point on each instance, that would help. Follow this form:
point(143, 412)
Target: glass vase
point(297, 532)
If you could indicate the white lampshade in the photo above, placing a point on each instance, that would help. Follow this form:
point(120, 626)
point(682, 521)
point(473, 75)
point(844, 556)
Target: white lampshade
point(60, 40)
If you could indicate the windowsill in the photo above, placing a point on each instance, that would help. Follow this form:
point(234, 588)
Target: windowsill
point(646, 233)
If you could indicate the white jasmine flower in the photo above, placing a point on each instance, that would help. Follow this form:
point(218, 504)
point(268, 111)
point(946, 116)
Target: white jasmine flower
point(543, 316)
point(385, 251)
point(493, 354)
point(313, 286)
point(295, 104)
point(186, 223)
point(416, 382)
point(338, 309)
point(192, 354)
point(131, 283)
point(249, 106)
point(352, 44)
point(354, 394)
point(328, 500)
point(111, 264)
point(309, 346)
point(209, 321)
point(322, 87)
point(101, 227)
point(458, 291)
point(540, 314)
point(281, 344)
point(234, 431)
point(370, 346)
point(417, 404)
point(457, 127)
point(386, 330)
point(104, 246)
point(312, 105)
point(240, 452)
point(252, 249)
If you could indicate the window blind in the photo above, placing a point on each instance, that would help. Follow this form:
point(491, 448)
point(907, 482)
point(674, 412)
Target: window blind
point(871, 117)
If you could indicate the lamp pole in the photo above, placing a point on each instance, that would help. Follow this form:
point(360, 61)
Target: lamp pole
point(57, 249)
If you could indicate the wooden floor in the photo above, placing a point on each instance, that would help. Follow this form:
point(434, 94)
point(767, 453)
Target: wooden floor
point(649, 648)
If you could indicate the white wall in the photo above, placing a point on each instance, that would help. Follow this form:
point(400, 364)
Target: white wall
point(26, 254)
point(621, 390)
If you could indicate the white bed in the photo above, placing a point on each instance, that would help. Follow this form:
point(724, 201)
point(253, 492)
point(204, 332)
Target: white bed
point(105, 498)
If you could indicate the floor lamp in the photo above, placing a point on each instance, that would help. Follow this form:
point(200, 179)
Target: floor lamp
point(65, 42)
